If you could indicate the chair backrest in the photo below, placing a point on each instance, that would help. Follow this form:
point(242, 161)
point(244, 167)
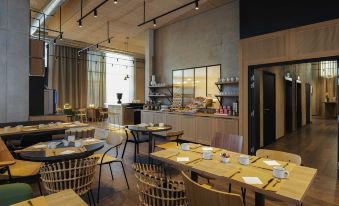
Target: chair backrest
point(199, 195)
point(5, 154)
point(230, 142)
point(150, 169)
point(81, 133)
point(114, 139)
point(279, 155)
point(77, 174)
point(155, 191)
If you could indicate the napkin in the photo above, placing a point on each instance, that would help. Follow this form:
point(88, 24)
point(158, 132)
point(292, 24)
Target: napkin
point(252, 180)
point(271, 162)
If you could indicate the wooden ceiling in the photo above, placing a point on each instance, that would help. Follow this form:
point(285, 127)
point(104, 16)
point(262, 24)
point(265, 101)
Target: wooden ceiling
point(122, 17)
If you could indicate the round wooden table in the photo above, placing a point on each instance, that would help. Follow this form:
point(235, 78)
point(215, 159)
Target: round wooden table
point(149, 129)
point(41, 155)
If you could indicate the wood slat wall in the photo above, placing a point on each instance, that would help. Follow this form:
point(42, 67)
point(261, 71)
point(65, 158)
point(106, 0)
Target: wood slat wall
point(307, 42)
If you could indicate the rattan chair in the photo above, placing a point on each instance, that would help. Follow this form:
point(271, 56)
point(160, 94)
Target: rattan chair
point(150, 169)
point(81, 114)
point(81, 133)
point(158, 191)
point(114, 141)
point(77, 174)
point(199, 195)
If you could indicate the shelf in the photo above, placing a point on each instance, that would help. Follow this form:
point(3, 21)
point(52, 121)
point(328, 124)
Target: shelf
point(222, 83)
point(164, 86)
point(154, 95)
point(228, 95)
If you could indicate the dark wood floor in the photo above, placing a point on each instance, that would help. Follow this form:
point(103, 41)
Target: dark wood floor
point(316, 143)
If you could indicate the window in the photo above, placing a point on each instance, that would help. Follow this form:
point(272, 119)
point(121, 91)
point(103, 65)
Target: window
point(119, 78)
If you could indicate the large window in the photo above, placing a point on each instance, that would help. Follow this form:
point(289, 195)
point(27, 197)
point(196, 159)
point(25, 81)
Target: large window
point(119, 78)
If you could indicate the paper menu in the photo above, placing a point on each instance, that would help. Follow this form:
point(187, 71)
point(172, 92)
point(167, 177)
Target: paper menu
point(252, 180)
point(183, 159)
point(271, 162)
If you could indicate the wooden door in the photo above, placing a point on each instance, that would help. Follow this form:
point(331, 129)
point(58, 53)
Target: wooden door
point(269, 108)
point(288, 107)
point(204, 130)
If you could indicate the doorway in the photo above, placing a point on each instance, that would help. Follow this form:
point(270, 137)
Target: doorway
point(269, 107)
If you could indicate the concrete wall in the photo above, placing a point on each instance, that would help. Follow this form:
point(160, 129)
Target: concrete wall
point(208, 38)
point(14, 60)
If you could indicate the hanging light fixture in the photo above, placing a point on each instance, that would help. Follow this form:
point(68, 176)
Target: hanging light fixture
point(54, 41)
point(154, 23)
point(60, 24)
point(196, 5)
point(95, 13)
point(115, 1)
point(61, 36)
point(80, 23)
point(97, 45)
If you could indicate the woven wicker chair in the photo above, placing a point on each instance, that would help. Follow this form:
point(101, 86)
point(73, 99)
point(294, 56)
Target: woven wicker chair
point(77, 174)
point(157, 191)
point(150, 169)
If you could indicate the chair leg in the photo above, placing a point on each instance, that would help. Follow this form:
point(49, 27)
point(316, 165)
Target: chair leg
point(90, 191)
point(123, 169)
point(110, 168)
point(243, 193)
point(229, 188)
point(99, 185)
point(135, 152)
point(123, 152)
point(89, 199)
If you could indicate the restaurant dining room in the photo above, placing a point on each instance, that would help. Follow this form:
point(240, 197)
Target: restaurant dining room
point(169, 102)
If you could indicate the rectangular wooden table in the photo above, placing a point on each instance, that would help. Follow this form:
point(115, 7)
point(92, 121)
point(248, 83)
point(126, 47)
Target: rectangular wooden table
point(291, 190)
point(64, 198)
point(37, 129)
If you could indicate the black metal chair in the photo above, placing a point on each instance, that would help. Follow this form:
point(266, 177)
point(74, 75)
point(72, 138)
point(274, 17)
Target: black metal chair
point(34, 138)
point(136, 140)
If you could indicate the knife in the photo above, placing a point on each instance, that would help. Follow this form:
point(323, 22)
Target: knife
point(256, 160)
point(269, 181)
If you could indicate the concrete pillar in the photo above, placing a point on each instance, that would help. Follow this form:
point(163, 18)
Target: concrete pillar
point(14, 60)
point(149, 59)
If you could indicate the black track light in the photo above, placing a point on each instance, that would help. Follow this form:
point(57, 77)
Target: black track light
point(115, 1)
point(61, 36)
point(80, 23)
point(54, 41)
point(95, 13)
point(154, 23)
point(196, 5)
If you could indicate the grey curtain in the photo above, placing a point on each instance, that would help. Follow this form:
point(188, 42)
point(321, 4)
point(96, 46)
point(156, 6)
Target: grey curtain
point(68, 75)
point(96, 79)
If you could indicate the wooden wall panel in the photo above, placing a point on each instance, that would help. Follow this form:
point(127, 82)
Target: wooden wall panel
point(307, 42)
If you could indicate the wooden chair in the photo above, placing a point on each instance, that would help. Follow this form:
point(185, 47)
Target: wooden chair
point(279, 155)
point(157, 191)
point(77, 174)
point(81, 114)
point(199, 195)
point(230, 142)
point(114, 141)
point(81, 133)
point(136, 140)
point(103, 113)
point(14, 170)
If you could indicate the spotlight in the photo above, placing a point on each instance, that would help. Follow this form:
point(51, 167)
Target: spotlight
point(80, 23)
point(95, 13)
point(154, 23)
point(196, 5)
point(60, 36)
point(109, 41)
point(115, 1)
point(54, 41)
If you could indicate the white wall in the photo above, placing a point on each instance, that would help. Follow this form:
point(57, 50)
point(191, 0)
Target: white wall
point(14, 60)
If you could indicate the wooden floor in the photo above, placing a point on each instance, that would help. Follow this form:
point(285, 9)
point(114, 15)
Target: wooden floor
point(316, 143)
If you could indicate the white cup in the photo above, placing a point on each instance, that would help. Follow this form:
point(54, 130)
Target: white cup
point(185, 146)
point(65, 142)
point(52, 145)
point(207, 154)
point(77, 143)
point(280, 172)
point(225, 159)
point(161, 124)
point(71, 138)
point(244, 159)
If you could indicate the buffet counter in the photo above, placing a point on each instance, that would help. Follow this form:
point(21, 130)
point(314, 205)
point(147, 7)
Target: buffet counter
point(197, 127)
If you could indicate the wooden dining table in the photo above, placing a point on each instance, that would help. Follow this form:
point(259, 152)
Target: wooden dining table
point(64, 198)
point(42, 128)
point(290, 190)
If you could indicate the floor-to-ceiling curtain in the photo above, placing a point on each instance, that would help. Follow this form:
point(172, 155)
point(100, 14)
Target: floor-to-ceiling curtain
point(96, 79)
point(68, 75)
